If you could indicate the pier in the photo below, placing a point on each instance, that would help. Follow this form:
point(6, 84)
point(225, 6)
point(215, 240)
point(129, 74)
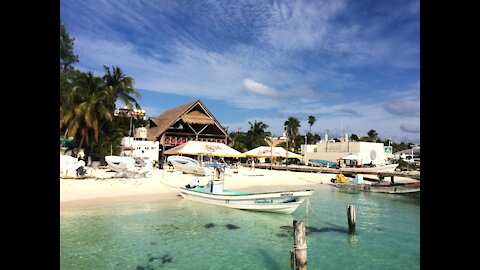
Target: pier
point(317, 169)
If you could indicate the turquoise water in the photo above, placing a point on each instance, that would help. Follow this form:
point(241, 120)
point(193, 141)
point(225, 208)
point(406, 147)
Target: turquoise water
point(180, 234)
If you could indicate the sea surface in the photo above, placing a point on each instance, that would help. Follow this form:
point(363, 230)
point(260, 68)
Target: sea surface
point(180, 234)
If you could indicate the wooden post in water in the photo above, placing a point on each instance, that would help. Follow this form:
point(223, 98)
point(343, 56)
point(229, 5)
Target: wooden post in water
point(351, 218)
point(300, 245)
point(292, 259)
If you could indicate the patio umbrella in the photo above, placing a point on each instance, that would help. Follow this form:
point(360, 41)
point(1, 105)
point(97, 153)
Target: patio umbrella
point(267, 152)
point(204, 148)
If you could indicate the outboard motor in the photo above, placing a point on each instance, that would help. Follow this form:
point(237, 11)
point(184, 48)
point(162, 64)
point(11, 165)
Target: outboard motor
point(81, 171)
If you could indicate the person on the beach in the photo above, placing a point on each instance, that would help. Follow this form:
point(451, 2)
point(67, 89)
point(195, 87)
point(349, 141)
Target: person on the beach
point(252, 167)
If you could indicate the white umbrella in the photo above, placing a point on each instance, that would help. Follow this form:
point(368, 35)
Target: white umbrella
point(205, 148)
point(267, 152)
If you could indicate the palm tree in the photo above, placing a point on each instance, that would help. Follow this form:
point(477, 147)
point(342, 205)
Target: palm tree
point(292, 124)
point(372, 135)
point(122, 87)
point(311, 121)
point(87, 108)
point(256, 135)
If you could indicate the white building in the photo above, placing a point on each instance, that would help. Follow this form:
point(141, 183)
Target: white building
point(330, 150)
point(138, 147)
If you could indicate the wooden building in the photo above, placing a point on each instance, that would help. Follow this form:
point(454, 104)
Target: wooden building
point(179, 125)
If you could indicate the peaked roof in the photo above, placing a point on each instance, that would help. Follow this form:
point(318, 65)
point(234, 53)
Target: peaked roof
point(170, 117)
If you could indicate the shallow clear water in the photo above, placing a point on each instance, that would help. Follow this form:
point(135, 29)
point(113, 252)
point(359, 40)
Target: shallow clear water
point(180, 234)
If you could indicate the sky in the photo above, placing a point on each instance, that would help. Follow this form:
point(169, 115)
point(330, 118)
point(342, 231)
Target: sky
point(353, 64)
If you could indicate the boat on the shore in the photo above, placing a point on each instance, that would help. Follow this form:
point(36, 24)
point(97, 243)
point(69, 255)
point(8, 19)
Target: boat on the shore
point(73, 168)
point(213, 193)
point(128, 165)
point(190, 165)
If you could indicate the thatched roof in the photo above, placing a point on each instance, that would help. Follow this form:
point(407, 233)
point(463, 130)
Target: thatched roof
point(186, 114)
point(197, 117)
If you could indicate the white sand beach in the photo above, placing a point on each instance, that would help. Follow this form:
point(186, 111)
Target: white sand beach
point(163, 183)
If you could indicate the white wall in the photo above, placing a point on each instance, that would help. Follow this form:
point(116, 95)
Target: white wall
point(332, 151)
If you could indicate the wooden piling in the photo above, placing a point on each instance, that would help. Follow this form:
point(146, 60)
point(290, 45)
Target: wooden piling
point(300, 245)
point(292, 259)
point(351, 218)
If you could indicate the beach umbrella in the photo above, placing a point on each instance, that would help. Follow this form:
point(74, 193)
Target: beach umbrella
point(204, 148)
point(267, 152)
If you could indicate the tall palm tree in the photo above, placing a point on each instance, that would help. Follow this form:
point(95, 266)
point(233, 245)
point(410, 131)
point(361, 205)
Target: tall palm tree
point(292, 124)
point(256, 135)
point(311, 121)
point(122, 86)
point(87, 108)
point(372, 135)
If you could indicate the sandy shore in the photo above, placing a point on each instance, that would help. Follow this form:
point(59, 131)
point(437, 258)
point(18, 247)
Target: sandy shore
point(163, 184)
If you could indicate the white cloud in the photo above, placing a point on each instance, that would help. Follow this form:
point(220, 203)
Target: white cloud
point(259, 88)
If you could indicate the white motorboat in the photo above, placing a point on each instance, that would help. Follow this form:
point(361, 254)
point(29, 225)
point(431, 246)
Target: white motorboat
point(213, 193)
point(71, 167)
point(189, 165)
point(127, 165)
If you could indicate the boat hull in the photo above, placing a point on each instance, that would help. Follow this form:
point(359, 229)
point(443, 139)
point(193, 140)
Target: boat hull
point(382, 188)
point(386, 168)
point(280, 202)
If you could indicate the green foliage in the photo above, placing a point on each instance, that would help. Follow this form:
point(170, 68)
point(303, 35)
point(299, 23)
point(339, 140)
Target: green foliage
point(122, 86)
point(311, 121)
point(257, 135)
point(403, 165)
point(400, 146)
point(291, 125)
point(354, 137)
point(372, 135)
point(67, 57)
point(239, 141)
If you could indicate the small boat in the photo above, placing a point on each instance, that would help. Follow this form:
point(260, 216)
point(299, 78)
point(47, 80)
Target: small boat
point(127, 165)
point(189, 165)
point(352, 164)
point(365, 169)
point(357, 184)
point(73, 168)
point(213, 193)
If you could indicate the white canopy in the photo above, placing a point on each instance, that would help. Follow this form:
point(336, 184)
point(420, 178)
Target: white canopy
point(267, 151)
point(352, 157)
point(205, 148)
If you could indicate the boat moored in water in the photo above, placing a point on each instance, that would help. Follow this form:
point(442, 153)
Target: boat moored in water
point(213, 193)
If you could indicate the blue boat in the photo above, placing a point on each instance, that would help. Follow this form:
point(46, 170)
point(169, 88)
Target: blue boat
point(323, 162)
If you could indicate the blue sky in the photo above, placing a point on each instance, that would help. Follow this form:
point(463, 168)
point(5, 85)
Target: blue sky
point(354, 65)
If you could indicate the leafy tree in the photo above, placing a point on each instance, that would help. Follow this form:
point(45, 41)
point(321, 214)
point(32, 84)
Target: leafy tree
point(122, 86)
point(372, 135)
point(257, 134)
point(315, 138)
point(87, 109)
point(354, 137)
point(291, 125)
point(239, 141)
point(67, 57)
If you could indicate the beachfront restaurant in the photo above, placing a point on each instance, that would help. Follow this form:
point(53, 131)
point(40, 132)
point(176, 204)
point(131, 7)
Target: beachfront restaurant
point(188, 122)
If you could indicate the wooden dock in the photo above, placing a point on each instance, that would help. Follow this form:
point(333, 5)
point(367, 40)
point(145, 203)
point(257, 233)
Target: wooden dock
point(317, 169)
